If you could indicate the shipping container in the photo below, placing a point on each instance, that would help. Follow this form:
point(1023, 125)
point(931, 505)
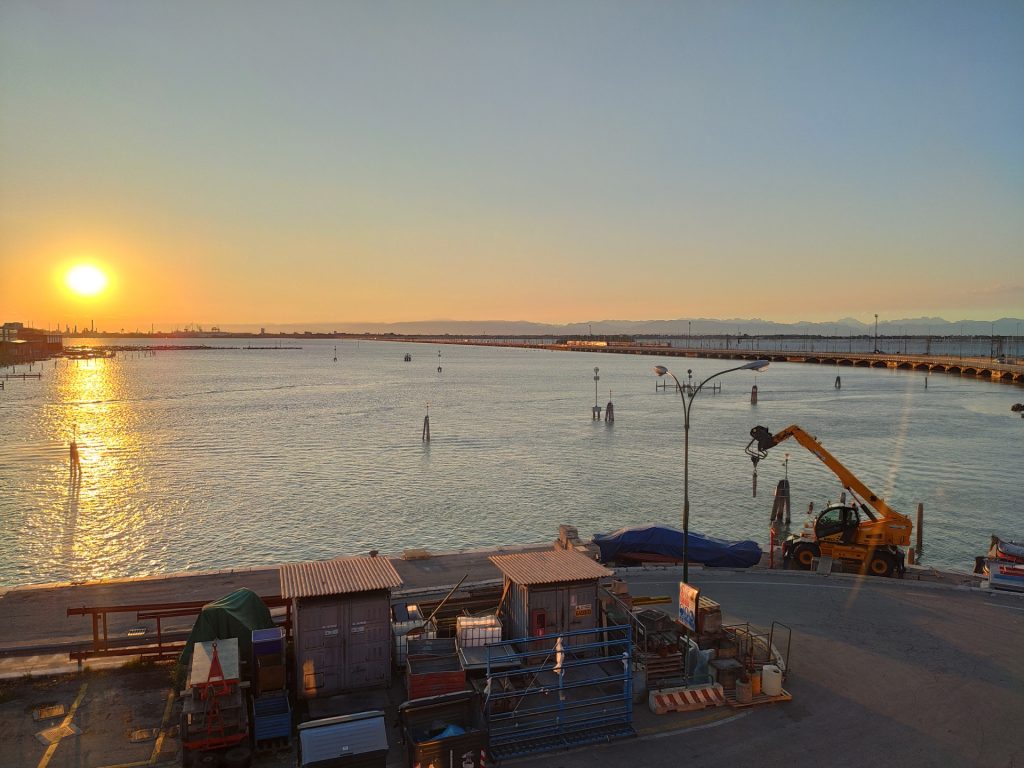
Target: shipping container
point(550, 593)
point(342, 623)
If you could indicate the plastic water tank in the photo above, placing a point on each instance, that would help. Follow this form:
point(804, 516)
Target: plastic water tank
point(771, 680)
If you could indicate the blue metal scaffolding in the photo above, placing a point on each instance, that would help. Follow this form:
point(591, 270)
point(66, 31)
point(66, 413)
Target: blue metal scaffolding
point(562, 690)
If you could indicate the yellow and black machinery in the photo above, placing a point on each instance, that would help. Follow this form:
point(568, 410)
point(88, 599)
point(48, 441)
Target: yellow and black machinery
point(866, 532)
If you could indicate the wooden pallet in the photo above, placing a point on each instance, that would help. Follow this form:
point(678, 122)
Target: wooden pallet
point(759, 699)
point(662, 666)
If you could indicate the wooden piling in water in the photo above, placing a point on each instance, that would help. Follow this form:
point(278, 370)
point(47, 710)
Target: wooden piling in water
point(920, 528)
point(426, 428)
point(780, 507)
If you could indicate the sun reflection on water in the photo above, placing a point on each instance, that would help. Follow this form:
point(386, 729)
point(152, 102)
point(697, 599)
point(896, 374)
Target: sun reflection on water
point(101, 514)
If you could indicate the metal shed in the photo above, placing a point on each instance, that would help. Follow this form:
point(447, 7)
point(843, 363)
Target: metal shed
point(550, 593)
point(342, 623)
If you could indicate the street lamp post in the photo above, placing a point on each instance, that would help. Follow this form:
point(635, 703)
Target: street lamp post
point(686, 394)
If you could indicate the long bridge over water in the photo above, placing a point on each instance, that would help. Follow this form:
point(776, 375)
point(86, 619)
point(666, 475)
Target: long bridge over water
point(979, 367)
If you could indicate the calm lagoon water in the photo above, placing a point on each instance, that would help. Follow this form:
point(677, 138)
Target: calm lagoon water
point(233, 457)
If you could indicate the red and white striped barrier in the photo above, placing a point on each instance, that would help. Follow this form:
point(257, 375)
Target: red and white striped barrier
point(685, 699)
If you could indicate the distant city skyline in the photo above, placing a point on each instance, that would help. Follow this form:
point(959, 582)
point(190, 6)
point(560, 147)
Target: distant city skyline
point(313, 163)
point(921, 327)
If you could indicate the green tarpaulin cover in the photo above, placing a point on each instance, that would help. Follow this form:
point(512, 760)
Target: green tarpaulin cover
point(235, 615)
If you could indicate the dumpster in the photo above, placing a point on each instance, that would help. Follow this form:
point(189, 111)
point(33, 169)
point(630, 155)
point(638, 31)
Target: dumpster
point(433, 668)
point(348, 741)
point(442, 731)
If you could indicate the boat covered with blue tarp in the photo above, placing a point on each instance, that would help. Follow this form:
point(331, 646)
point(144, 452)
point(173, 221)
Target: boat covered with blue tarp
point(662, 543)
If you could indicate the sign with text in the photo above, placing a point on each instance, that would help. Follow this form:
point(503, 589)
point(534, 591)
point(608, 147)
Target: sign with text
point(689, 598)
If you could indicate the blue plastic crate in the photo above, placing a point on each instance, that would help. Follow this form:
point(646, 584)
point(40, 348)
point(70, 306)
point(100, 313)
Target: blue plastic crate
point(266, 642)
point(272, 717)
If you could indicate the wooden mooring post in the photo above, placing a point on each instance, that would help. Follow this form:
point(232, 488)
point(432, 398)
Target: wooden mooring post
point(781, 505)
point(920, 528)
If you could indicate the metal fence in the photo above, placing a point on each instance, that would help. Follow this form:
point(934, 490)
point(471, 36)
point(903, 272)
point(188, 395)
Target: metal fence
point(550, 693)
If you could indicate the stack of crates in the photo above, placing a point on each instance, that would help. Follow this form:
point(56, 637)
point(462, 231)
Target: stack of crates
point(272, 717)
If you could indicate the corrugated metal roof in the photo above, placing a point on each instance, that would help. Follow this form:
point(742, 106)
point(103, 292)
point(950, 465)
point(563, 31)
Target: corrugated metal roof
point(338, 577)
point(557, 565)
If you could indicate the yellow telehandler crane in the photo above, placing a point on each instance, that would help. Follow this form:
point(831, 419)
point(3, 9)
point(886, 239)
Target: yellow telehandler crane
point(869, 534)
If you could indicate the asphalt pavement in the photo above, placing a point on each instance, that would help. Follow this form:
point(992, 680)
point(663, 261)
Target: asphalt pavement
point(882, 672)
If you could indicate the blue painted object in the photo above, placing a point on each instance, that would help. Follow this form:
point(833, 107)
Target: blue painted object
point(272, 717)
point(266, 642)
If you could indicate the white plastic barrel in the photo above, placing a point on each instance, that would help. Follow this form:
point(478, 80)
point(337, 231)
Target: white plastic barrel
point(771, 680)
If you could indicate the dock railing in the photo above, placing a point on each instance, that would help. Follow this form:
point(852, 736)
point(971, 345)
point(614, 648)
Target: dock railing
point(165, 644)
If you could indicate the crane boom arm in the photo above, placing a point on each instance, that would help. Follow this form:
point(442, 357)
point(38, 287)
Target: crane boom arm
point(765, 440)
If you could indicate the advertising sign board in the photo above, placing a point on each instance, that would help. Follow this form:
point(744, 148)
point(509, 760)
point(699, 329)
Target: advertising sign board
point(689, 598)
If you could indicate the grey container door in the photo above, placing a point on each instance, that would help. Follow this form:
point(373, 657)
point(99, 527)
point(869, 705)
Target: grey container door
point(368, 625)
point(322, 660)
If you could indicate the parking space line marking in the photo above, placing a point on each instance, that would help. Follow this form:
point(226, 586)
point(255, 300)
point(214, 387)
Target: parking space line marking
point(733, 716)
point(156, 747)
point(67, 720)
point(1008, 607)
point(671, 727)
point(163, 728)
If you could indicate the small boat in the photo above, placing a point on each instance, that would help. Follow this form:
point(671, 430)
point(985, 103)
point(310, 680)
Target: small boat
point(1004, 565)
point(1012, 551)
point(408, 357)
point(664, 544)
point(1005, 575)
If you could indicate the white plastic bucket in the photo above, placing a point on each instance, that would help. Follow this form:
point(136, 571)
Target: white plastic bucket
point(771, 680)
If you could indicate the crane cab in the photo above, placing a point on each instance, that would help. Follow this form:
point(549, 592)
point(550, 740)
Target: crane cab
point(850, 533)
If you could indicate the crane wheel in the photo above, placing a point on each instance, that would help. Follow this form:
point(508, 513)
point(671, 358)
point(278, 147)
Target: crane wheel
point(804, 555)
point(881, 564)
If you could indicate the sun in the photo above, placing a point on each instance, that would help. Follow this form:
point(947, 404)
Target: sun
point(86, 280)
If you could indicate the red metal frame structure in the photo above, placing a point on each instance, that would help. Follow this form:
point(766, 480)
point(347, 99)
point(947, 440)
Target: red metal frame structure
point(163, 647)
point(215, 688)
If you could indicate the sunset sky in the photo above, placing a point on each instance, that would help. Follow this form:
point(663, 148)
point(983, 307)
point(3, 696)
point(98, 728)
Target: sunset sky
point(271, 162)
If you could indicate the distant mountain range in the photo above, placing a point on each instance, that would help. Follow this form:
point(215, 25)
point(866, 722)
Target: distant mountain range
point(700, 326)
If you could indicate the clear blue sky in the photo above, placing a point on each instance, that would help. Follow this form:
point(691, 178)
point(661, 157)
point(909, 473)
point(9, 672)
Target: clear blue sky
point(552, 161)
